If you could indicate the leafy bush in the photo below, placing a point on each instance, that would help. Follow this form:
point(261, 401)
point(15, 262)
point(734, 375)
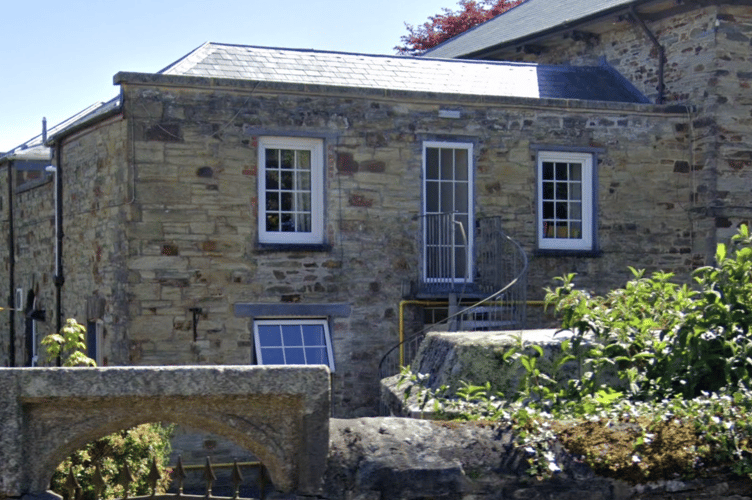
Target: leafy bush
point(137, 447)
point(681, 358)
point(69, 345)
point(665, 339)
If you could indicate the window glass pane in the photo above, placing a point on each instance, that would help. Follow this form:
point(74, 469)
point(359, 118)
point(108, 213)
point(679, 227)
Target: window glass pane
point(316, 356)
point(287, 180)
point(295, 356)
point(461, 197)
point(291, 335)
point(272, 222)
point(292, 342)
point(272, 201)
point(447, 198)
point(304, 181)
point(288, 159)
point(576, 228)
point(272, 356)
point(460, 261)
point(561, 171)
point(548, 190)
point(432, 163)
point(304, 159)
point(561, 191)
point(461, 164)
point(286, 202)
point(575, 211)
point(272, 179)
point(287, 223)
point(272, 158)
point(303, 223)
point(548, 210)
point(548, 171)
point(432, 197)
point(575, 171)
point(313, 335)
point(575, 191)
point(548, 229)
point(447, 164)
point(561, 210)
point(303, 202)
point(269, 336)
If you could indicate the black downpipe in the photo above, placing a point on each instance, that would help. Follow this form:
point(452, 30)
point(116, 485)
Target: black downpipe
point(659, 48)
point(12, 271)
point(59, 276)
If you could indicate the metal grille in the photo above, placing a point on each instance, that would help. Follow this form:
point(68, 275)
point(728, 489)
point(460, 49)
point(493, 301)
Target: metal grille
point(494, 299)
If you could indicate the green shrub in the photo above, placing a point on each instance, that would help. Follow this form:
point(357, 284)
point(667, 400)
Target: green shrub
point(683, 355)
point(662, 338)
point(137, 447)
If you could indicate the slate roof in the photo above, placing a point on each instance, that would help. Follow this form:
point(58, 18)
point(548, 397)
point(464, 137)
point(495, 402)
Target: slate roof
point(526, 19)
point(35, 149)
point(403, 73)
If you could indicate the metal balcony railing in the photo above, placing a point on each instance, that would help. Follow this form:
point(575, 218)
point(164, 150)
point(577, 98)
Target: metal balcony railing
point(486, 292)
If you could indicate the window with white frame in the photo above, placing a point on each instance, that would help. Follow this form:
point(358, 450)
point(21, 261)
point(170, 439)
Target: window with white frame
point(448, 211)
point(291, 190)
point(565, 200)
point(293, 342)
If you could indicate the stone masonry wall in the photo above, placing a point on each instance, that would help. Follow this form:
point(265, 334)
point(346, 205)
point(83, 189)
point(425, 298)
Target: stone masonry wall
point(34, 228)
point(707, 67)
point(193, 238)
point(4, 263)
point(98, 202)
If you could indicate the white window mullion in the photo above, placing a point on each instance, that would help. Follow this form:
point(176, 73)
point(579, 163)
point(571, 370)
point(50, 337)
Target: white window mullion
point(565, 201)
point(279, 221)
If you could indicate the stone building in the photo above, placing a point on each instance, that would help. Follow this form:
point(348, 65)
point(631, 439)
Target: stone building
point(689, 53)
point(246, 194)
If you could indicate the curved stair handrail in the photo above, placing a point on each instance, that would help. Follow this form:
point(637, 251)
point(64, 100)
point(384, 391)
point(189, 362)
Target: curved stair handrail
point(390, 365)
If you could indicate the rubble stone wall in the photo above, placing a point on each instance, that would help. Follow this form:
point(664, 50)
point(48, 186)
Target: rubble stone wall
point(193, 237)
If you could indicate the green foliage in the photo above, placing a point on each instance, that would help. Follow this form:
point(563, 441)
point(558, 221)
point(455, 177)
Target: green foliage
point(69, 345)
point(137, 447)
point(663, 383)
point(661, 338)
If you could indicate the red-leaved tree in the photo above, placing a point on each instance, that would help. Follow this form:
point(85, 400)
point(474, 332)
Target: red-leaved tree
point(444, 26)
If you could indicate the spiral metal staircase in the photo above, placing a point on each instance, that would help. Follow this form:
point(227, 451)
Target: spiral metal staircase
point(486, 291)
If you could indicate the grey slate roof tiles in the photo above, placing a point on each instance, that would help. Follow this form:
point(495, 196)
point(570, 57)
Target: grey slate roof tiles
point(528, 18)
point(403, 73)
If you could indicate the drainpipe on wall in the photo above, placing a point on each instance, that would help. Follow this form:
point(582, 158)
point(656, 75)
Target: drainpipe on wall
point(59, 277)
point(659, 48)
point(12, 272)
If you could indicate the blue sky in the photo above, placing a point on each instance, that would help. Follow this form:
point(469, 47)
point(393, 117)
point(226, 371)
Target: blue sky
point(59, 57)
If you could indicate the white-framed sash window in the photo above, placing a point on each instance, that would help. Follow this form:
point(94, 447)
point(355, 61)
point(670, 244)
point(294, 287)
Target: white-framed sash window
point(565, 200)
point(291, 190)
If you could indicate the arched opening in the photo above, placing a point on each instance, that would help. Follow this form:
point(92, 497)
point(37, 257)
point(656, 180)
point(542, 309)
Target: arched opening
point(153, 452)
point(148, 446)
point(229, 419)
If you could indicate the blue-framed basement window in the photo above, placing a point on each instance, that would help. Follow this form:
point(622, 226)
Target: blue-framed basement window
point(293, 342)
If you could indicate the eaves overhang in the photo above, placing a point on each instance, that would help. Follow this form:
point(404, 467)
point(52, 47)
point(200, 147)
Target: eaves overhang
point(267, 87)
point(566, 24)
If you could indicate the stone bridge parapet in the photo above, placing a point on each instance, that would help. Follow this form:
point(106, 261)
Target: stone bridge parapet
point(281, 414)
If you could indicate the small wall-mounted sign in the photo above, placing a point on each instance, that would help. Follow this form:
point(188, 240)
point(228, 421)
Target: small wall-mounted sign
point(449, 113)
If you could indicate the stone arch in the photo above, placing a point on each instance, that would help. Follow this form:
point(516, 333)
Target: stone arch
point(278, 413)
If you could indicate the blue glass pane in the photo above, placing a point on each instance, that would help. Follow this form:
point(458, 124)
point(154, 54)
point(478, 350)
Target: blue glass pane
point(269, 336)
point(316, 356)
point(295, 356)
point(313, 335)
point(272, 357)
point(291, 335)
